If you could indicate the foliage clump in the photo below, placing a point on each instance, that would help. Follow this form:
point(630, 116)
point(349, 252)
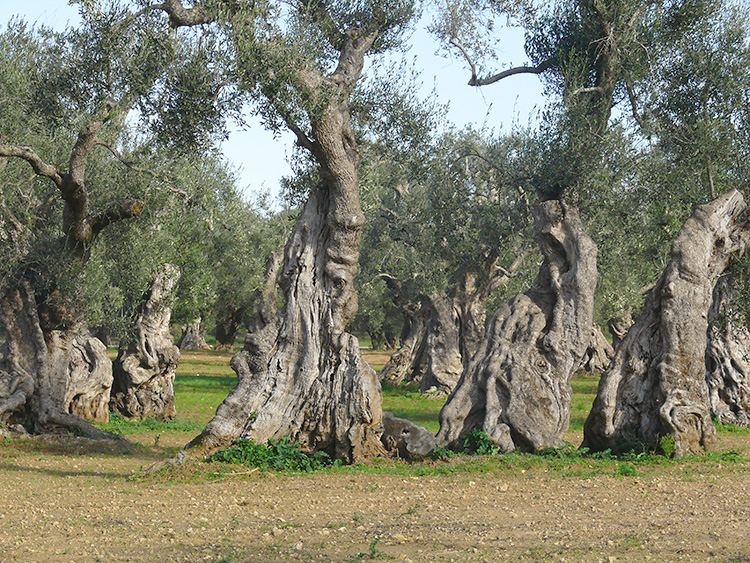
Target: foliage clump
point(282, 455)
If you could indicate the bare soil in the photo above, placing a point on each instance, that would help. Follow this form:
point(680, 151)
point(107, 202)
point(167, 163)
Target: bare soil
point(73, 500)
point(67, 499)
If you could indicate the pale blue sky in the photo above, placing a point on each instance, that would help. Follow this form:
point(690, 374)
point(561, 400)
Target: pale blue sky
point(262, 159)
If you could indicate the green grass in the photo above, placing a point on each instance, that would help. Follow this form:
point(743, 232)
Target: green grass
point(408, 402)
point(584, 392)
point(204, 379)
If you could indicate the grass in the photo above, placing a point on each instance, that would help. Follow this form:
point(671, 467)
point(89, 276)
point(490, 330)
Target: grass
point(204, 379)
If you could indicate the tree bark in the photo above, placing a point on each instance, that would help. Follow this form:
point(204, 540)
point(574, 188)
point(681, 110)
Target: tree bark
point(144, 371)
point(48, 378)
point(618, 328)
point(302, 375)
point(517, 386)
point(598, 354)
point(728, 358)
point(407, 363)
point(656, 386)
point(192, 337)
point(89, 372)
point(443, 335)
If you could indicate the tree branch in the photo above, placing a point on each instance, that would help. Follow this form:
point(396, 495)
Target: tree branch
point(180, 16)
point(87, 140)
point(116, 211)
point(634, 106)
point(538, 69)
point(128, 163)
point(323, 20)
point(460, 46)
point(40, 167)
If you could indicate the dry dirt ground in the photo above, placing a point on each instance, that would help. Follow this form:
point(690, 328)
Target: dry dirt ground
point(78, 501)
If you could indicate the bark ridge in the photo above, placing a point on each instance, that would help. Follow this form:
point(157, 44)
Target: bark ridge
point(728, 358)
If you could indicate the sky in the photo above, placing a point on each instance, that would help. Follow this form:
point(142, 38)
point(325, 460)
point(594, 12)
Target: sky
point(261, 158)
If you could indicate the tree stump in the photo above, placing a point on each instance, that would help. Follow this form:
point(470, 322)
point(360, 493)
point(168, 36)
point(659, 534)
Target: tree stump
point(144, 371)
point(656, 383)
point(728, 358)
point(517, 386)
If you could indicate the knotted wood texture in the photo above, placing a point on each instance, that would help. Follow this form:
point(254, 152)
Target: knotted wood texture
point(517, 386)
point(50, 379)
point(144, 371)
point(302, 375)
point(728, 357)
point(655, 385)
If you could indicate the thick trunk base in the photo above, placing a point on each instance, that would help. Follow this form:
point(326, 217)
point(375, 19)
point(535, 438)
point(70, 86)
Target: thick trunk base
point(517, 386)
point(598, 354)
point(301, 376)
point(441, 339)
point(50, 380)
point(192, 337)
point(89, 371)
point(656, 387)
point(144, 372)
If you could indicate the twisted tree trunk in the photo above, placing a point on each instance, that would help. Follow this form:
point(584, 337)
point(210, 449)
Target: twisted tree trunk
point(656, 384)
point(517, 386)
point(301, 375)
point(144, 371)
point(228, 321)
point(618, 328)
point(728, 357)
point(192, 337)
point(443, 335)
point(89, 372)
point(407, 363)
point(49, 378)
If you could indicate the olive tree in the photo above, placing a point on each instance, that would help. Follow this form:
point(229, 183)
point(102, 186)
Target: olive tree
point(301, 375)
point(67, 98)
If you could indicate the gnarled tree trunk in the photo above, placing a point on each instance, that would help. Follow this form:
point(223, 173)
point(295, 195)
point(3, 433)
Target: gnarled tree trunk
point(728, 358)
point(656, 386)
point(441, 353)
point(598, 354)
point(89, 371)
point(192, 337)
point(144, 371)
point(407, 363)
point(618, 328)
point(517, 386)
point(302, 375)
point(50, 378)
point(442, 336)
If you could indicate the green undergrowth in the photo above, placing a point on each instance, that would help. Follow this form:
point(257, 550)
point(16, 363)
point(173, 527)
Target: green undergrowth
point(119, 425)
point(282, 455)
point(204, 379)
point(478, 455)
